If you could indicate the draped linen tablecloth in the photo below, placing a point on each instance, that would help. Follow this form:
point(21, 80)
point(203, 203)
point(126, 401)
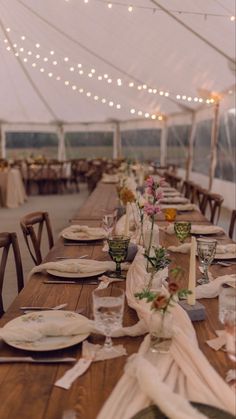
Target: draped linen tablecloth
point(12, 191)
point(159, 378)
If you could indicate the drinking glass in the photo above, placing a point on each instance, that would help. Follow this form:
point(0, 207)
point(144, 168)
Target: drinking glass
point(108, 222)
point(182, 230)
point(227, 316)
point(118, 250)
point(206, 250)
point(108, 309)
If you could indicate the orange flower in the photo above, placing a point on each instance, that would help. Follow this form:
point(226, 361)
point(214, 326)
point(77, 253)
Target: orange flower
point(126, 195)
point(173, 287)
point(160, 302)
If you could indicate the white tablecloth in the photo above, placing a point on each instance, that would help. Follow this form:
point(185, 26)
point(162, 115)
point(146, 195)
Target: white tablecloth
point(12, 191)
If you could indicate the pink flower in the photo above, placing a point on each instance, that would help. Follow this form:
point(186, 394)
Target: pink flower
point(150, 182)
point(159, 194)
point(151, 209)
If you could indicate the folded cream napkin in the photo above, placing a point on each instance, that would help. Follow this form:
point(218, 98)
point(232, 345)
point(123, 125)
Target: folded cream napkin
point(182, 248)
point(181, 207)
point(90, 353)
point(226, 248)
point(33, 331)
point(211, 290)
point(219, 342)
point(197, 229)
point(80, 266)
point(174, 200)
point(78, 232)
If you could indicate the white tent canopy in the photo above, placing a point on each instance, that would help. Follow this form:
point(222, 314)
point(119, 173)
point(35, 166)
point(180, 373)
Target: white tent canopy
point(73, 61)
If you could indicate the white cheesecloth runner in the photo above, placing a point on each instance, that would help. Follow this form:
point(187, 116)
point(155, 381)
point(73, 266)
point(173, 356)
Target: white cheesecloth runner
point(159, 378)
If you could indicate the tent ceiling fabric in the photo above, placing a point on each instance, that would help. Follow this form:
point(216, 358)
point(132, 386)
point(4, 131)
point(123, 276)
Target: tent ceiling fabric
point(145, 46)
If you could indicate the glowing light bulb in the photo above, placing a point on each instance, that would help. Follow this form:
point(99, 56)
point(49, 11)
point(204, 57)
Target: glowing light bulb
point(72, 68)
point(166, 94)
point(103, 100)
point(161, 93)
point(153, 116)
point(67, 83)
point(45, 59)
point(8, 29)
point(23, 37)
point(88, 94)
point(118, 106)
point(29, 52)
point(99, 78)
point(178, 97)
point(79, 65)
point(189, 99)
point(81, 90)
point(25, 60)
point(15, 45)
point(8, 48)
point(184, 97)
point(232, 18)
point(58, 78)
point(144, 86)
point(21, 49)
point(5, 41)
point(140, 113)
point(109, 5)
point(50, 75)
point(195, 99)
point(111, 103)
point(130, 8)
point(150, 90)
point(52, 52)
point(132, 111)
point(146, 115)
point(90, 75)
point(105, 76)
point(16, 54)
point(74, 87)
point(96, 97)
point(154, 91)
point(160, 118)
point(37, 45)
point(42, 70)
point(66, 59)
point(37, 56)
point(131, 84)
point(34, 64)
point(139, 87)
point(81, 72)
point(200, 100)
point(54, 62)
point(119, 82)
point(93, 70)
point(109, 81)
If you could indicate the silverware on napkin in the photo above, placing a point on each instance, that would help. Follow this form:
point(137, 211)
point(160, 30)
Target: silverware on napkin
point(28, 308)
point(15, 359)
point(84, 282)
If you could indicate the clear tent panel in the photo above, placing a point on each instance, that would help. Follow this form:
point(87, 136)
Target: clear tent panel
point(177, 145)
point(142, 144)
point(202, 147)
point(31, 145)
point(89, 144)
point(226, 147)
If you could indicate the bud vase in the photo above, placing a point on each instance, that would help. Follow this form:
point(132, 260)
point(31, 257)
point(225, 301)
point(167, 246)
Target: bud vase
point(161, 331)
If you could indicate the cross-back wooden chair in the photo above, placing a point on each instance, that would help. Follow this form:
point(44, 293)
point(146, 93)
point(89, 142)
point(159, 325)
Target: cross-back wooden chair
point(32, 226)
point(188, 190)
point(232, 223)
point(212, 205)
point(200, 197)
point(8, 240)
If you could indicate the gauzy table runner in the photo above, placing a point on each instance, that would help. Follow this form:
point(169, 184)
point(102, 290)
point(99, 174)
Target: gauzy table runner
point(184, 371)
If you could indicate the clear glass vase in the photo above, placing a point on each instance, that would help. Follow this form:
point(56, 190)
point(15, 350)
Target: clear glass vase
point(161, 331)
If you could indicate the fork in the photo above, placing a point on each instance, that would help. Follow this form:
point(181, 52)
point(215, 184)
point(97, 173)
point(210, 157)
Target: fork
point(38, 308)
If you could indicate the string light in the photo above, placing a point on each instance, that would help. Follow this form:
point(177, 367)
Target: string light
point(154, 9)
point(106, 77)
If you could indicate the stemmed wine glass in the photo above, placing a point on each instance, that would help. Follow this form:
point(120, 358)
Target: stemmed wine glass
point(227, 316)
point(118, 250)
point(108, 309)
point(108, 222)
point(182, 230)
point(206, 250)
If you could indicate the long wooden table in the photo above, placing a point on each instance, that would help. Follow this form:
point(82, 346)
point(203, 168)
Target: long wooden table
point(27, 391)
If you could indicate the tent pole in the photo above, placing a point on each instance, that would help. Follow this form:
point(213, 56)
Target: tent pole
point(117, 142)
point(214, 140)
point(61, 143)
point(189, 162)
point(2, 142)
point(163, 144)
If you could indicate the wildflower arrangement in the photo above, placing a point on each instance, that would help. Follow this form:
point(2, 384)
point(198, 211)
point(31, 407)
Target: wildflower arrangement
point(126, 196)
point(162, 300)
point(152, 207)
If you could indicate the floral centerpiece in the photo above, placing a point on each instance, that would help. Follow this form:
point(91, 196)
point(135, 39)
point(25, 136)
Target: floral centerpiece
point(127, 197)
point(152, 207)
point(158, 262)
point(161, 321)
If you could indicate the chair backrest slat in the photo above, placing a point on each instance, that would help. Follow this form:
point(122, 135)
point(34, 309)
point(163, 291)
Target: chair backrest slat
point(232, 223)
point(32, 227)
point(8, 240)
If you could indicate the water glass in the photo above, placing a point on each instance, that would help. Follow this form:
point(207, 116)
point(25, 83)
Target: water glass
point(118, 250)
point(108, 309)
point(108, 222)
point(170, 214)
point(182, 230)
point(206, 249)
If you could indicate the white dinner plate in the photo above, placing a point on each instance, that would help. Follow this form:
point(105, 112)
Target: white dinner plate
point(49, 343)
point(67, 236)
point(75, 274)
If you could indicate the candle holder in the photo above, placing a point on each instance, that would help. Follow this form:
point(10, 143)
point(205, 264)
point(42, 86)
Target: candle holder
point(195, 312)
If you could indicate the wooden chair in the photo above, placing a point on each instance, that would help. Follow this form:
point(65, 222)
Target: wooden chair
point(232, 224)
point(211, 206)
point(188, 190)
point(32, 226)
point(200, 197)
point(6, 241)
